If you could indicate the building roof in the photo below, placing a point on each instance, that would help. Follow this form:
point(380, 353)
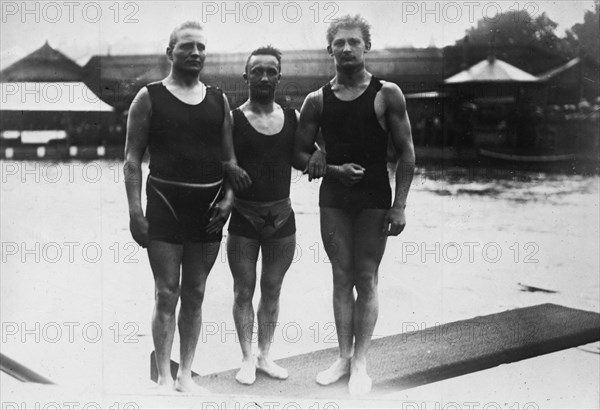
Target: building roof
point(560, 69)
point(132, 68)
point(117, 78)
point(491, 70)
point(152, 67)
point(528, 57)
point(50, 96)
point(44, 64)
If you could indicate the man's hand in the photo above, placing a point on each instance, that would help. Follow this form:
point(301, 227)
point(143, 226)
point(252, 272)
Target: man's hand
point(138, 226)
point(317, 165)
point(394, 222)
point(238, 178)
point(350, 174)
point(219, 215)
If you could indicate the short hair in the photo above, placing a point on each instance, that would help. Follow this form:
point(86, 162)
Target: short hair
point(268, 50)
point(183, 26)
point(349, 22)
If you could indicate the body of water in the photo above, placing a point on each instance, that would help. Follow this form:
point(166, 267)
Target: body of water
point(77, 293)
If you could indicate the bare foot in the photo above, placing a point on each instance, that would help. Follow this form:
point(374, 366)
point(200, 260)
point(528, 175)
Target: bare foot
point(336, 371)
point(163, 386)
point(247, 372)
point(360, 383)
point(271, 368)
point(187, 385)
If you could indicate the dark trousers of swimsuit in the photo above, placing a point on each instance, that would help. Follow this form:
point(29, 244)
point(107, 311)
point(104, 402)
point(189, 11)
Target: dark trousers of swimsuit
point(371, 193)
point(178, 214)
point(240, 226)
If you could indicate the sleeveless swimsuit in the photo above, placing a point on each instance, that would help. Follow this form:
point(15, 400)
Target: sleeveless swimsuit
point(353, 134)
point(186, 175)
point(264, 210)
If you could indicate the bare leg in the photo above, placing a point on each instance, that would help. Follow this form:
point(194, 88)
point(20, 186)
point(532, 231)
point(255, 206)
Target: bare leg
point(198, 260)
point(337, 236)
point(165, 261)
point(369, 245)
point(242, 254)
point(277, 256)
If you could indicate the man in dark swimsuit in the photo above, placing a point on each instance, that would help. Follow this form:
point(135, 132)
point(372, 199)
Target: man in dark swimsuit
point(262, 217)
point(187, 128)
point(356, 114)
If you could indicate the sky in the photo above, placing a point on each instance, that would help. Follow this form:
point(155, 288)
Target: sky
point(81, 29)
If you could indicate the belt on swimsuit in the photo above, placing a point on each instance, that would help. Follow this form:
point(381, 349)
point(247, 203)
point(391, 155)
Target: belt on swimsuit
point(185, 185)
point(265, 217)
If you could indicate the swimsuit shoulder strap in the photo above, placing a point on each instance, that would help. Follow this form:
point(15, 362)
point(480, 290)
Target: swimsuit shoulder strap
point(376, 83)
point(289, 114)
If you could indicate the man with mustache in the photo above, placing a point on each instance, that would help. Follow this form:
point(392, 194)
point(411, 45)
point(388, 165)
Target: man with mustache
point(357, 114)
point(186, 126)
point(262, 217)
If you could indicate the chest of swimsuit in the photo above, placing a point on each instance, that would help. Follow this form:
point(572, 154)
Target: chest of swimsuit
point(352, 131)
point(184, 139)
point(266, 158)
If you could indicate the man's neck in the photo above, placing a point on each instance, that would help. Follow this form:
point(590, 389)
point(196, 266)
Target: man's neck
point(353, 78)
point(261, 107)
point(185, 80)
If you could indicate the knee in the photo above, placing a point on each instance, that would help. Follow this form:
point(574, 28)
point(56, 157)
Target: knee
point(270, 291)
point(166, 300)
point(366, 284)
point(343, 289)
point(243, 293)
point(343, 280)
point(192, 297)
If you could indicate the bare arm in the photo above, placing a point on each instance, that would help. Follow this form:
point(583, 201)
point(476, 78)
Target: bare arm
point(319, 140)
point(222, 209)
point(398, 126)
point(138, 125)
point(307, 130)
point(237, 177)
point(227, 133)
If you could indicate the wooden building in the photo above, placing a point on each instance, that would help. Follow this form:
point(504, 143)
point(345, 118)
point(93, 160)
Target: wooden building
point(45, 101)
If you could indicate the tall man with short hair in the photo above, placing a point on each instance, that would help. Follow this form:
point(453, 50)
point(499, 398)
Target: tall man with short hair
point(186, 126)
point(357, 115)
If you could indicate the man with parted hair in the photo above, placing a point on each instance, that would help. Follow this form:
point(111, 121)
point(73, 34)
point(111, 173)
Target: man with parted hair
point(358, 115)
point(186, 126)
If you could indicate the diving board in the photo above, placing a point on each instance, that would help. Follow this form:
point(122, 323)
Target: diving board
point(20, 372)
point(174, 368)
point(432, 354)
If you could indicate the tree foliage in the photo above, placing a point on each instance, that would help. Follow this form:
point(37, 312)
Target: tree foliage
point(517, 27)
point(514, 27)
point(586, 35)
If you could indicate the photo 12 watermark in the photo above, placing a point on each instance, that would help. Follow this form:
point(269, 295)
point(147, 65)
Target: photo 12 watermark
point(69, 405)
point(269, 405)
point(69, 332)
point(268, 11)
point(90, 252)
point(72, 172)
point(69, 11)
point(465, 11)
point(46, 93)
point(468, 405)
point(290, 332)
point(469, 252)
point(94, 172)
point(469, 331)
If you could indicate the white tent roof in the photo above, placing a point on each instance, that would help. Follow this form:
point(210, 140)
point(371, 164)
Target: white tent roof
point(490, 70)
point(561, 69)
point(58, 96)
